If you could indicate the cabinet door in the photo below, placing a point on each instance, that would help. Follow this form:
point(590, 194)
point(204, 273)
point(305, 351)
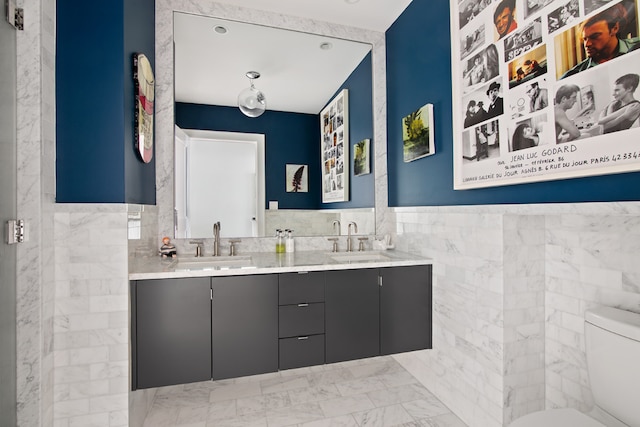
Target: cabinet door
point(244, 325)
point(173, 331)
point(405, 309)
point(351, 314)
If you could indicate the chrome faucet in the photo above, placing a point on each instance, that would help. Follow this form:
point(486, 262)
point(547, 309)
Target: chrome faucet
point(334, 223)
point(216, 239)
point(355, 230)
point(232, 246)
point(199, 246)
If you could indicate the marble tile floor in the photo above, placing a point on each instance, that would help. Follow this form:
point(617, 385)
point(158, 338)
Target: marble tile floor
point(375, 392)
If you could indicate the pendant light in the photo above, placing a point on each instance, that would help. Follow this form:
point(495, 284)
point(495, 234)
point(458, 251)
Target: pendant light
point(251, 101)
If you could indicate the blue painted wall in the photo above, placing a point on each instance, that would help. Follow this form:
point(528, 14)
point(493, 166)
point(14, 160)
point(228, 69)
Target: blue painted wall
point(139, 37)
point(95, 157)
point(294, 138)
point(360, 86)
point(419, 72)
point(290, 138)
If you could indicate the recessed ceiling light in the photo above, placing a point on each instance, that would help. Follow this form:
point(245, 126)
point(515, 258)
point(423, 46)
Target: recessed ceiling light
point(351, 1)
point(325, 46)
point(220, 29)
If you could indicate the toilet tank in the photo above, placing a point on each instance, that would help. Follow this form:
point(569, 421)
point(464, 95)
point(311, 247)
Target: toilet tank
point(613, 362)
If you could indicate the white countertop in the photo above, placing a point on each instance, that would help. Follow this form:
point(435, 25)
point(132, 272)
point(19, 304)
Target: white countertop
point(268, 263)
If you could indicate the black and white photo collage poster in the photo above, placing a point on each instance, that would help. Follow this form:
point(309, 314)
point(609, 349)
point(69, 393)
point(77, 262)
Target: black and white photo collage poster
point(544, 90)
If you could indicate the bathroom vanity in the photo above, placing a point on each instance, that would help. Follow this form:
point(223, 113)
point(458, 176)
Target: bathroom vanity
point(196, 320)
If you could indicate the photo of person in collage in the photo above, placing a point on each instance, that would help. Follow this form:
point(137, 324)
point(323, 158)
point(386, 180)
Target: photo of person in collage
point(604, 75)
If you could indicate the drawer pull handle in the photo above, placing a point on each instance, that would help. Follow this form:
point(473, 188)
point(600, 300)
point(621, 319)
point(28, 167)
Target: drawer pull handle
point(303, 305)
point(303, 338)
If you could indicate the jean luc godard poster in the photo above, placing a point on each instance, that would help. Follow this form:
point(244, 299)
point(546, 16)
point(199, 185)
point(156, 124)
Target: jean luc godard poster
point(549, 90)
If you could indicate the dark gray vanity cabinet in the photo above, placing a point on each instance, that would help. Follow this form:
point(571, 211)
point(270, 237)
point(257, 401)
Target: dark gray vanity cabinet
point(301, 319)
point(405, 309)
point(352, 321)
point(172, 331)
point(195, 329)
point(244, 325)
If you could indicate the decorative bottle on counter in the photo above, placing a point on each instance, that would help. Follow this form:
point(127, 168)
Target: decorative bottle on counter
point(289, 244)
point(280, 244)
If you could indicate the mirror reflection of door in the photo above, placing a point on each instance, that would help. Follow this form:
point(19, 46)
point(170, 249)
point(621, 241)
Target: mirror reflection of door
point(221, 170)
point(180, 191)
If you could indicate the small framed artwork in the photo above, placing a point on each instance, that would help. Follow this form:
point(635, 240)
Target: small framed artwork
point(361, 158)
point(297, 180)
point(144, 88)
point(417, 134)
point(334, 141)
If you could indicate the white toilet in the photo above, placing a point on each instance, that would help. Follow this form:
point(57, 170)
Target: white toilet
point(613, 361)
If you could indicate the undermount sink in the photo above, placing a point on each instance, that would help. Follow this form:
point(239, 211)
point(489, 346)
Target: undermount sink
point(211, 262)
point(358, 256)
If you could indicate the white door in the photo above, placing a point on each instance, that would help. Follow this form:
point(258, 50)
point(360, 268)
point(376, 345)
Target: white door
point(219, 176)
point(222, 187)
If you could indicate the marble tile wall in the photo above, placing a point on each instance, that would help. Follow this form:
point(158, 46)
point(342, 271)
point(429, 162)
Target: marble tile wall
point(91, 321)
point(489, 364)
point(523, 315)
point(142, 225)
point(36, 195)
point(511, 284)
point(142, 230)
point(364, 219)
point(48, 177)
point(319, 222)
point(591, 260)
point(465, 368)
point(308, 222)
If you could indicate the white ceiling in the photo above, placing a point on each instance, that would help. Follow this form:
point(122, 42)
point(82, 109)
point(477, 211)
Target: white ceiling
point(296, 75)
point(376, 15)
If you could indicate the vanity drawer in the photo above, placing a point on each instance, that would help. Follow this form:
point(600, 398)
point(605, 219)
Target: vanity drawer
point(305, 287)
point(301, 351)
point(301, 319)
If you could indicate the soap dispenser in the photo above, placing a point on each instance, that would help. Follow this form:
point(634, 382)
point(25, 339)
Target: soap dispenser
point(289, 243)
point(280, 244)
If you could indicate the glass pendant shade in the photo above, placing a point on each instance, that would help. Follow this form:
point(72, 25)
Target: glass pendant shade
point(251, 101)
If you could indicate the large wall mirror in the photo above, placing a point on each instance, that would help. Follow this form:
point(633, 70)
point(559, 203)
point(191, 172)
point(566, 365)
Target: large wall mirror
point(208, 72)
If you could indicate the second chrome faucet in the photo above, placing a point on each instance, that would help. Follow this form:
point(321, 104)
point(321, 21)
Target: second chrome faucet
point(355, 230)
point(216, 239)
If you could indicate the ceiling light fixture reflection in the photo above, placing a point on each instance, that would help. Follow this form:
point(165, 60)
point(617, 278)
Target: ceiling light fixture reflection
point(251, 101)
point(220, 29)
